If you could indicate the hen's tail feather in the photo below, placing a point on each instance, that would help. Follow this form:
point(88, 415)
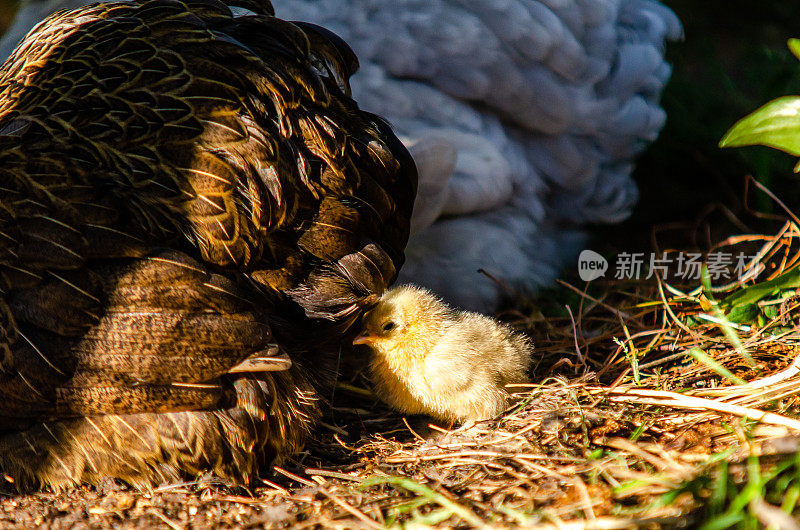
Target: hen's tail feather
point(271, 416)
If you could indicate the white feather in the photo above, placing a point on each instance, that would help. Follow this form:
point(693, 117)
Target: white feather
point(435, 157)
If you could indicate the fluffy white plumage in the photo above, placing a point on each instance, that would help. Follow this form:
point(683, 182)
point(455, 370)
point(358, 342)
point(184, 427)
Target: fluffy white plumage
point(544, 103)
point(524, 117)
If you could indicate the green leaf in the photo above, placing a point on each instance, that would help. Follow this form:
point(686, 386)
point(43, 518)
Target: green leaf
point(744, 313)
point(754, 293)
point(771, 311)
point(776, 124)
point(794, 47)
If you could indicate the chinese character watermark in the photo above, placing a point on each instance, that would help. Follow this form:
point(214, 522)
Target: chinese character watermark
point(629, 266)
point(721, 266)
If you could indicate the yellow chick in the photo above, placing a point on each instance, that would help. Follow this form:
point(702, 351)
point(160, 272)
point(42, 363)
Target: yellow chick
point(430, 358)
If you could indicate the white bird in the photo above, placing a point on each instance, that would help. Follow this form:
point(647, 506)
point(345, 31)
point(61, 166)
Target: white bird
point(545, 103)
point(537, 109)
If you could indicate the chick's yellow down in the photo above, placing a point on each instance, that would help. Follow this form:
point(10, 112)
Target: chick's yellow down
point(430, 358)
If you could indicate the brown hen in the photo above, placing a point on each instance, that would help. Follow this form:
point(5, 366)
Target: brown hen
point(181, 189)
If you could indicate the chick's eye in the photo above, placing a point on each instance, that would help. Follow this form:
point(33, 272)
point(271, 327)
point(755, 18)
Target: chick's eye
point(389, 326)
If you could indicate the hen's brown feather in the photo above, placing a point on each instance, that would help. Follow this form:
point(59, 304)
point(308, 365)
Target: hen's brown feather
point(179, 188)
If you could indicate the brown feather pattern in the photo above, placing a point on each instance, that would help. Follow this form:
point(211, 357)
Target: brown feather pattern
point(179, 189)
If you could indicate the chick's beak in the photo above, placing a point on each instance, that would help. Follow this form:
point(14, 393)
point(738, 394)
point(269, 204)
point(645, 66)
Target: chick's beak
point(364, 339)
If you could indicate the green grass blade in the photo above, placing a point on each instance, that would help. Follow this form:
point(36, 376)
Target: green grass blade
point(704, 359)
point(776, 124)
point(428, 493)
